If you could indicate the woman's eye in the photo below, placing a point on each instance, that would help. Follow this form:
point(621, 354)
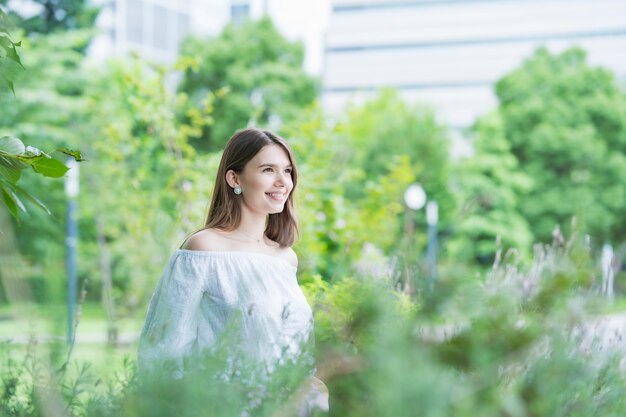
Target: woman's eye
point(268, 169)
point(288, 170)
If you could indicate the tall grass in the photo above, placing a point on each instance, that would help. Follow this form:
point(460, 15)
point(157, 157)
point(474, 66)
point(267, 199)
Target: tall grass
point(519, 342)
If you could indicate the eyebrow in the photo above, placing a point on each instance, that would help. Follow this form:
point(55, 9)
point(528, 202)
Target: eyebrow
point(272, 166)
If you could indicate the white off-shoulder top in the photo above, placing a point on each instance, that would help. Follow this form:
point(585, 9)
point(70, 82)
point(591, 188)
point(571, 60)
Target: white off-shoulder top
point(202, 294)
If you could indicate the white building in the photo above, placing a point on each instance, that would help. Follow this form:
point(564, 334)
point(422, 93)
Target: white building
point(154, 28)
point(448, 53)
point(151, 28)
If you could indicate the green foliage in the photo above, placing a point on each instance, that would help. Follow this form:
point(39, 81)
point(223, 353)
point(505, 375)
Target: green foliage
point(518, 341)
point(337, 230)
point(390, 144)
point(352, 211)
point(124, 119)
point(10, 63)
point(490, 186)
point(503, 344)
point(48, 116)
point(145, 151)
point(386, 127)
point(129, 126)
point(252, 75)
point(507, 343)
point(566, 125)
point(14, 155)
point(55, 15)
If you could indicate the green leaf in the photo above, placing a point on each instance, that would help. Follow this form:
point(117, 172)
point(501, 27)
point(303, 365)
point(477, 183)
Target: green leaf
point(9, 201)
point(9, 84)
point(32, 199)
point(10, 63)
point(10, 164)
point(13, 202)
point(12, 145)
point(10, 69)
point(49, 167)
point(9, 46)
point(11, 174)
point(74, 154)
point(16, 199)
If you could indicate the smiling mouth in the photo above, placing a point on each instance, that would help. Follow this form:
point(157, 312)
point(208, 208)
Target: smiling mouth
point(277, 196)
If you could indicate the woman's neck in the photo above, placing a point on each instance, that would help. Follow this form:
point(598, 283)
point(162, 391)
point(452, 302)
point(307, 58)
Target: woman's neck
point(252, 228)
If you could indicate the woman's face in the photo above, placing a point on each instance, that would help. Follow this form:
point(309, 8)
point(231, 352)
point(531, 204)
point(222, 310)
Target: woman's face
point(266, 180)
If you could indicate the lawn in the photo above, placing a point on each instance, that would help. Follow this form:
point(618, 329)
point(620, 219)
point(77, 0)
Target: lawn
point(43, 328)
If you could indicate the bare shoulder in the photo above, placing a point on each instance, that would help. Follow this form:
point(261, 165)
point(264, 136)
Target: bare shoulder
point(208, 240)
point(289, 255)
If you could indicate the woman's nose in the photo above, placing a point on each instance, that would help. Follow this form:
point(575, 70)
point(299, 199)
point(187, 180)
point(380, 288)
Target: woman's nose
point(282, 178)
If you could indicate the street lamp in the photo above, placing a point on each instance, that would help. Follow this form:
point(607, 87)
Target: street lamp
point(71, 191)
point(432, 217)
point(415, 199)
point(415, 196)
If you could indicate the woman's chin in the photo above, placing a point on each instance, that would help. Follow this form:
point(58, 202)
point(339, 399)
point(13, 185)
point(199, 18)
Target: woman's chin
point(277, 209)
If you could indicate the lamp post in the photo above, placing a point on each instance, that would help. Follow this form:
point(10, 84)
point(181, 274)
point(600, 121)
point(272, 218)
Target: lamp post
point(415, 196)
point(415, 199)
point(71, 191)
point(432, 218)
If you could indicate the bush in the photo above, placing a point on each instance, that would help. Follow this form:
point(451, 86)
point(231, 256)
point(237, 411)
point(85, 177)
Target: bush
point(518, 341)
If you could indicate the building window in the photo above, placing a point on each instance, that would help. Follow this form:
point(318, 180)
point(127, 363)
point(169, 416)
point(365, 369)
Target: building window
point(135, 21)
point(239, 12)
point(183, 29)
point(153, 28)
point(161, 31)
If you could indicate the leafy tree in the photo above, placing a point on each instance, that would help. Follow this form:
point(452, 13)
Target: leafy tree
point(14, 155)
point(387, 127)
point(566, 125)
point(342, 230)
point(254, 75)
point(124, 120)
point(357, 170)
point(48, 112)
point(55, 15)
point(490, 187)
point(379, 131)
point(161, 184)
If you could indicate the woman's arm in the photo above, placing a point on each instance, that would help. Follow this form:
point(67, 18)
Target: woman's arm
point(170, 330)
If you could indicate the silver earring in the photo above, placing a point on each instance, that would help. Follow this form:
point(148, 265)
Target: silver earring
point(237, 190)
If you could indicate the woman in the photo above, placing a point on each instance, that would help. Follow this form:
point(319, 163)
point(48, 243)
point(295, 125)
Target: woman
point(238, 272)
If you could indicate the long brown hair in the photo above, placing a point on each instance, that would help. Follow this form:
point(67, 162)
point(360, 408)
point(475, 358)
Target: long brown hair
point(225, 210)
